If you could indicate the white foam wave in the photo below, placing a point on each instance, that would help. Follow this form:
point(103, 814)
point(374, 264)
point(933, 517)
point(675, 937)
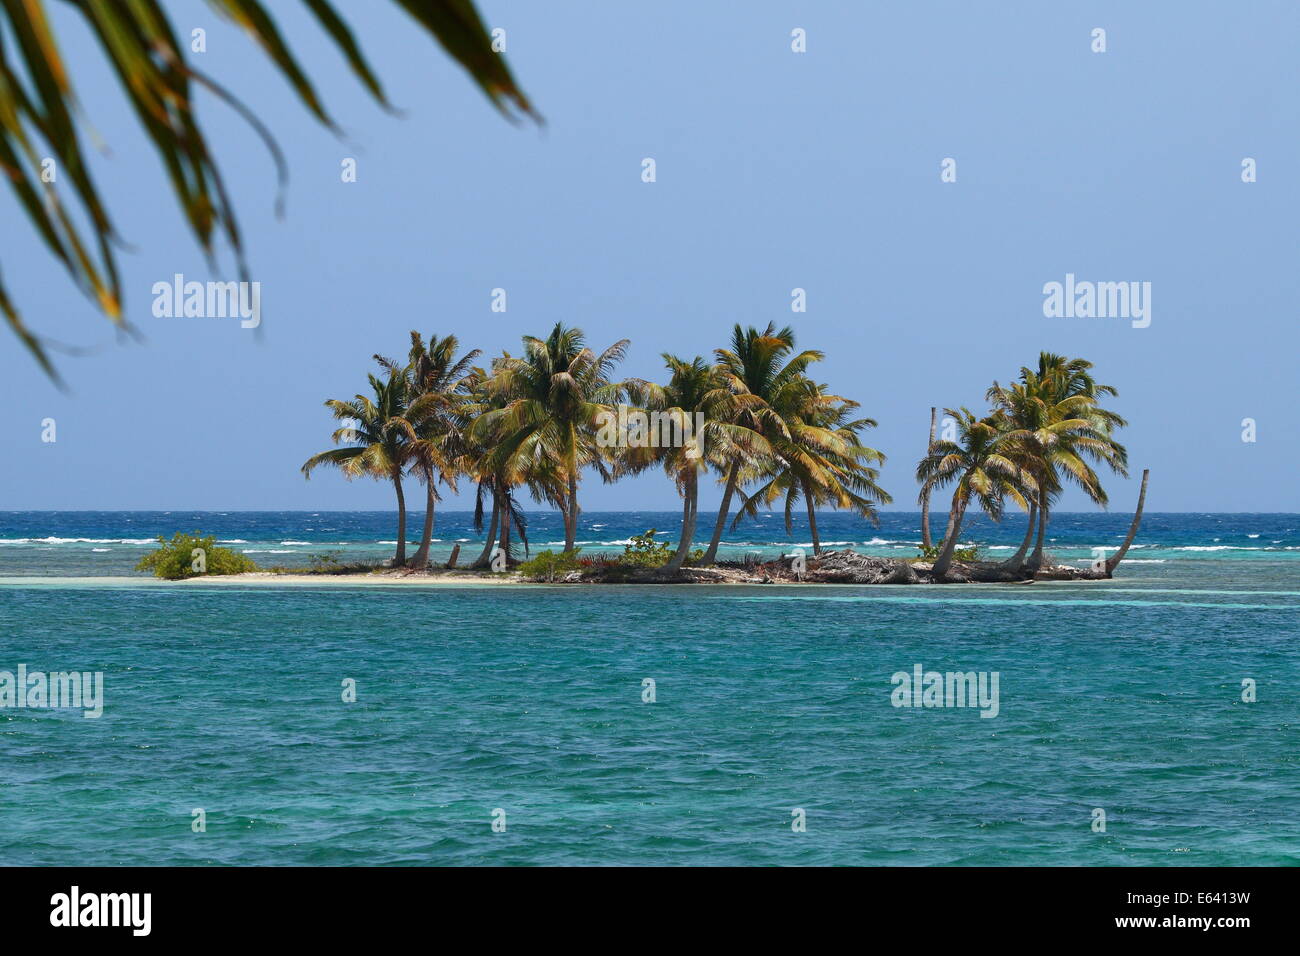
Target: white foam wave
point(78, 540)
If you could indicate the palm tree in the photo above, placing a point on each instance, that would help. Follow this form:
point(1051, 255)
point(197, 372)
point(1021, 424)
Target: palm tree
point(823, 461)
point(546, 429)
point(1024, 454)
point(691, 391)
point(981, 468)
point(485, 458)
point(160, 78)
point(1060, 427)
point(757, 379)
point(378, 442)
point(438, 384)
point(926, 543)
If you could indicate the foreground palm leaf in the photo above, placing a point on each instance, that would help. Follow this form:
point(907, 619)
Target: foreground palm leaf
point(38, 105)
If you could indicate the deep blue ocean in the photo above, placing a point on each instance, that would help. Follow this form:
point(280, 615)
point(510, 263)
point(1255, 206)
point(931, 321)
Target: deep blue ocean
point(1165, 699)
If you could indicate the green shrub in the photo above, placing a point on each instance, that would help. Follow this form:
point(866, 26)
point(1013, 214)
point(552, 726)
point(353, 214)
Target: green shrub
point(176, 559)
point(645, 552)
point(548, 565)
point(965, 555)
point(325, 561)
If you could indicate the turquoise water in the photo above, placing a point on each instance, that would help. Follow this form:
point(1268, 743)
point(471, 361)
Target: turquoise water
point(1122, 695)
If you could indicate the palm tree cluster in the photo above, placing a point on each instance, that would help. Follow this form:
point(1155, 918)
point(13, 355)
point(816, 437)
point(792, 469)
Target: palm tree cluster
point(540, 421)
point(1044, 431)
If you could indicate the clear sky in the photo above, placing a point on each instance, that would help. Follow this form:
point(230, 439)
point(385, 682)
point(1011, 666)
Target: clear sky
point(775, 170)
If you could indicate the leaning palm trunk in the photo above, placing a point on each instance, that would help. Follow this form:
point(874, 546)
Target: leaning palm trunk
point(944, 561)
point(711, 555)
point(1113, 561)
point(688, 523)
point(1036, 559)
point(571, 514)
point(1017, 560)
point(812, 521)
point(399, 559)
point(421, 558)
point(491, 539)
point(506, 517)
point(926, 543)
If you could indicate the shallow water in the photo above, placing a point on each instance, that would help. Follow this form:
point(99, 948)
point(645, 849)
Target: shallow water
point(1123, 695)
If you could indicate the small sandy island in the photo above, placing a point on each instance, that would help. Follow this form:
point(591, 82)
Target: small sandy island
point(833, 567)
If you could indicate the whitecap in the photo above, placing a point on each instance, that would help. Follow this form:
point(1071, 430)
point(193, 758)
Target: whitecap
point(52, 540)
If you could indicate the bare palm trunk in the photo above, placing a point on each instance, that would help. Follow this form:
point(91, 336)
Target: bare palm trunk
point(812, 521)
point(486, 556)
point(1017, 560)
point(711, 555)
point(688, 522)
point(421, 558)
point(925, 495)
point(571, 514)
point(955, 515)
point(1036, 559)
point(400, 558)
point(506, 518)
point(1113, 561)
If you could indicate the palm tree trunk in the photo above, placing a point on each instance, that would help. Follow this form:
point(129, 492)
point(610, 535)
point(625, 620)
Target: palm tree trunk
point(955, 515)
point(1017, 560)
point(506, 518)
point(571, 515)
point(688, 522)
point(1113, 561)
point(1036, 559)
point(925, 495)
point(486, 556)
point(812, 521)
point(711, 555)
point(400, 558)
point(421, 558)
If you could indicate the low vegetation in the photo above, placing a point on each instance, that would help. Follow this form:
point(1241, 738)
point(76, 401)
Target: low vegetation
point(549, 566)
point(193, 556)
point(964, 555)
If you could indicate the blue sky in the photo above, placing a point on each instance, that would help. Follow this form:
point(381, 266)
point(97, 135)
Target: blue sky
point(775, 170)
